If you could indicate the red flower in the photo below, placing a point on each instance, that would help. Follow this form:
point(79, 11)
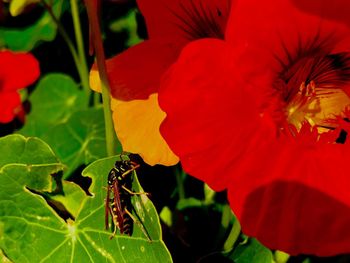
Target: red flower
point(17, 70)
point(171, 24)
point(265, 115)
point(135, 74)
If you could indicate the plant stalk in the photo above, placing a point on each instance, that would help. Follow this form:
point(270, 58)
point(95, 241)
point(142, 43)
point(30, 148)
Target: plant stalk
point(111, 141)
point(65, 37)
point(233, 236)
point(84, 73)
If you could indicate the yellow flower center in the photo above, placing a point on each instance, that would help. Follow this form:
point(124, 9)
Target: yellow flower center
point(316, 105)
point(313, 89)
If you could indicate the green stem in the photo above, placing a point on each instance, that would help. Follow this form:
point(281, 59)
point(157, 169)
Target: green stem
point(65, 36)
point(111, 141)
point(180, 186)
point(80, 45)
point(226, 216)
point(233, 236)
point(96, 98)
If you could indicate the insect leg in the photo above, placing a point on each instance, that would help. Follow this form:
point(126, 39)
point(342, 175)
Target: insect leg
point(134, 193)
point(141, 226)
point(133, 168)
point(115, 222)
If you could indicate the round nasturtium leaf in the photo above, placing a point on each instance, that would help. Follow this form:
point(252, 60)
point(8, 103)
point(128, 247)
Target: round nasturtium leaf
point(31, 231)
point(53, 101)
point(59, 115)
point(79, 140)
point(28, 226)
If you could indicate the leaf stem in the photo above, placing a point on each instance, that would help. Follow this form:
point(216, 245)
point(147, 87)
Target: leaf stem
point(64, 35)
point(111, 142)
point(234, 234)
point(84, 73)
point(226, 216)
point(179, 180)
point(96, 98)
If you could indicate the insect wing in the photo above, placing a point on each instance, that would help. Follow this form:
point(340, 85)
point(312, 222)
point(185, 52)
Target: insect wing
point(116, 197)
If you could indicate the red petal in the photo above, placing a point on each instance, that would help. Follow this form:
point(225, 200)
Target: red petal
point(337, 10)
point(17, 70)
point(210, 118)
point(9, 102)
point(136, 73)
point(293, 196)
point(174, 18)
point(283, 32)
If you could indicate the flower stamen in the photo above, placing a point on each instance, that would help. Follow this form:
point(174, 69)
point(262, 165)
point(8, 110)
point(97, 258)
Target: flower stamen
point(304, 105)
point(323, 93)
point(198, 20)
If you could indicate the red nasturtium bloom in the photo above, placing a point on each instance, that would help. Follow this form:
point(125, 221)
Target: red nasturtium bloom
point(265, 114)
point(135, 74)
point(17, 71)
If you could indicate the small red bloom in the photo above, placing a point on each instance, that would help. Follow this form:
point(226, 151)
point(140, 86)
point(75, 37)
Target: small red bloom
point(265, 115)
point(17, 70)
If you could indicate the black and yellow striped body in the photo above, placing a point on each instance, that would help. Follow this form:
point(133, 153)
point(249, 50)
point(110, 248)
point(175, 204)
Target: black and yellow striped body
point(118, 200)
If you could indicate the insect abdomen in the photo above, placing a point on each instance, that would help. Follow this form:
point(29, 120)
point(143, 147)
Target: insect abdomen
point(127, 225)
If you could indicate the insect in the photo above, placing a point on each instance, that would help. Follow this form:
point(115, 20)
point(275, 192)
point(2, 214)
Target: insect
point(118, 200)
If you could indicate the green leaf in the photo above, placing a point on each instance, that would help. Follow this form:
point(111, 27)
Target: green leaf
point(31, 231)
point(281, 257)
point(28, 226)
point(25, 39)
point(188, 203)
point(54, 99)
point(21, 161)
point(59, 116)
point(127, 249)
point(80, 140)
point(3, 258)
point(167, 216)
point(251, 252)
point(128, 23)
point(71, 198)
